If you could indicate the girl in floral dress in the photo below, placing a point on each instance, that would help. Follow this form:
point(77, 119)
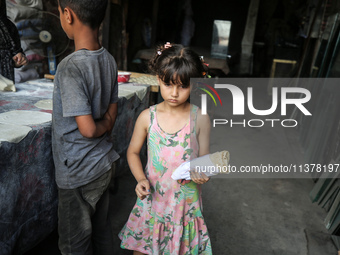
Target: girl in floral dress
point(167, 217)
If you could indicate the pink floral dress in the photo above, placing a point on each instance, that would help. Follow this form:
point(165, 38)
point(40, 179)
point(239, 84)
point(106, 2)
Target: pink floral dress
point(170, 220)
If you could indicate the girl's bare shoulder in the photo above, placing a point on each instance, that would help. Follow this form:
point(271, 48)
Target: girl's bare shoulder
point(143, 119)
point(202, 117)
point(202, 122)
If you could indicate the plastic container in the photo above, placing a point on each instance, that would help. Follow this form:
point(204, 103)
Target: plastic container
point(123, 77)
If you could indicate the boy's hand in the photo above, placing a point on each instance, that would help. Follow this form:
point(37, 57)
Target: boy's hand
point(20, 59)
point(109, 118)
point(199, 178)
point(143, 188)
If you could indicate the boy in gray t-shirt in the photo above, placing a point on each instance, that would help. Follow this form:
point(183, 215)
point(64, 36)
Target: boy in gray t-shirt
point(84, 112)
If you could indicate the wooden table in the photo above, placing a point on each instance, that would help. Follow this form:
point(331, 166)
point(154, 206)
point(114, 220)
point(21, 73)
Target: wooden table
point(143, 78)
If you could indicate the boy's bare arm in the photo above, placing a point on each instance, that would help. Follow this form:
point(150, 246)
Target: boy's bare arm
point(90, 128)
point(111, 114)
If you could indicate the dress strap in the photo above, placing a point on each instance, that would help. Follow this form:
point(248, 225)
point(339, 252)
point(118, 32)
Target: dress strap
point(152, 111)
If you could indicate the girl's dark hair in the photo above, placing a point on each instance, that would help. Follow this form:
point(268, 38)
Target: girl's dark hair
point(177, 63)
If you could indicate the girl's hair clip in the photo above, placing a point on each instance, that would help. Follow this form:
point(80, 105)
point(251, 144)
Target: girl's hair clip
point(167, 45)
point(203, 62)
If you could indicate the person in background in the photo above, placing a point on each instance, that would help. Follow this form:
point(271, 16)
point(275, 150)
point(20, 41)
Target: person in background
point(11, 53)
point(85, 100)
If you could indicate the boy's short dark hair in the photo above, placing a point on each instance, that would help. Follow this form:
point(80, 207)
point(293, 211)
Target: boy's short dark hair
point(89, 12)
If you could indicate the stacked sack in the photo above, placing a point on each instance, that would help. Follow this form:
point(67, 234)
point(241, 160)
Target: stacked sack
point(21, 12)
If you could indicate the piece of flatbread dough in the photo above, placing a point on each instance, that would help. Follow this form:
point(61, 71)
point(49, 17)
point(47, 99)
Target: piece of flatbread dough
point(6, 84)
point(44, 104)
point(220, 158)
point(13, 133)
point(25, 118)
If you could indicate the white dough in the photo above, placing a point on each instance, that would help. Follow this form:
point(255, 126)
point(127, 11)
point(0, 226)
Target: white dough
point(25, 117)
point(44, 104)
point(6, 84)
point(13, 133)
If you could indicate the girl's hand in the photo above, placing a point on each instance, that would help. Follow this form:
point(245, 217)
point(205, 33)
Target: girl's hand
point(20, 60)
point(143, 188)
point(199, 178)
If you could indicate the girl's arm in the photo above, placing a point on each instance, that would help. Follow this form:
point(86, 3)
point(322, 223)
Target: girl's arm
point(138, 137)
point(203, 137)
point(203, 128)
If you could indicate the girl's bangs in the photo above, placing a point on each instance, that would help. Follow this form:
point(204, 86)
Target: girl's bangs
point(179, 73)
